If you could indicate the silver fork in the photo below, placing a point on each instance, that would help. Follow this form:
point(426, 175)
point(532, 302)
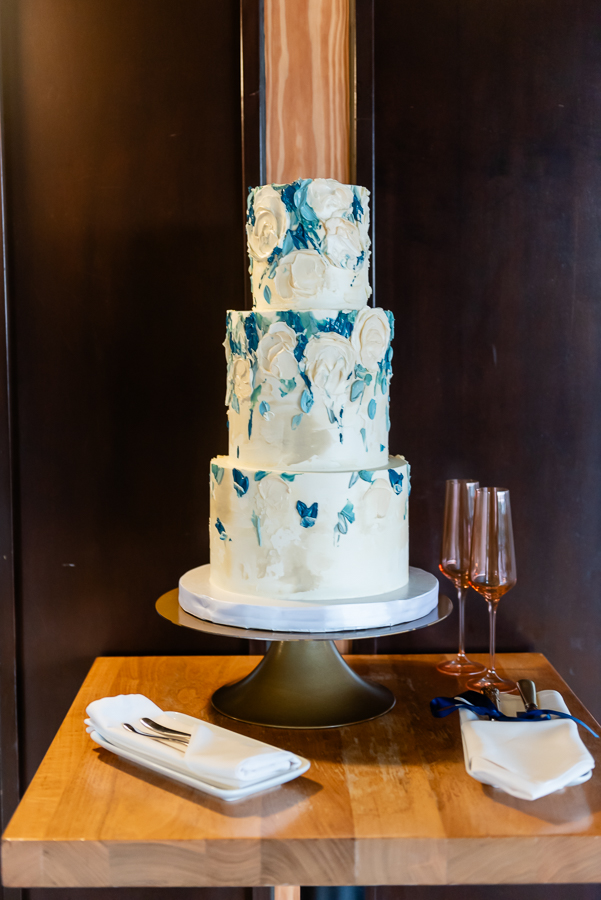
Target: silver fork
point(156, 737)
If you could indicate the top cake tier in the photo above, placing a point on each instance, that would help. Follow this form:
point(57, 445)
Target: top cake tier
point(308, 244)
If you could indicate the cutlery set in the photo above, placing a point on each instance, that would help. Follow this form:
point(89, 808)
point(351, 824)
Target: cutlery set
point(169, 736)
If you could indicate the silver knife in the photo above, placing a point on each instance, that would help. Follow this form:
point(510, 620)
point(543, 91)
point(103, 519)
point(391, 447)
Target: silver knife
point(527, 691)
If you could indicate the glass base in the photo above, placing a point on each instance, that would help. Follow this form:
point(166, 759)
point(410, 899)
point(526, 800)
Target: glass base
point(460, 665)
point(489, 679)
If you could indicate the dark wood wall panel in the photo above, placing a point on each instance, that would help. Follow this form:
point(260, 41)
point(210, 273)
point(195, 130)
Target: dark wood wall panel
point(124, 167)
point(489, 253)
point(123, 161)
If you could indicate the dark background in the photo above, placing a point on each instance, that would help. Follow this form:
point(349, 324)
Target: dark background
point(122, 190)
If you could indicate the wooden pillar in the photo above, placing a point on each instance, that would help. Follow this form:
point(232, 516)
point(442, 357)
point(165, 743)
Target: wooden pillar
point(307, 89)
point(307, 99)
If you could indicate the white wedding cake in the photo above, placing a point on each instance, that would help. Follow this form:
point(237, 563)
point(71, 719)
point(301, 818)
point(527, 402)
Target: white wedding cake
point(309, 525)
point(308, 503)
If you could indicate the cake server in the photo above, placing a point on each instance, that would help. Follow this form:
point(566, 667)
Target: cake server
point(493, 695)
point(527, 691)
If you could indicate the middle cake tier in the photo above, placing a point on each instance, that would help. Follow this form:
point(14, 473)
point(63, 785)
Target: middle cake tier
point(309, 535)
point(309, 390)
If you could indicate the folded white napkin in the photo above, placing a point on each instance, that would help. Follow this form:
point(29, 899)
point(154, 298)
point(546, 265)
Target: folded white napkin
point(215, 755)
point(526, 759)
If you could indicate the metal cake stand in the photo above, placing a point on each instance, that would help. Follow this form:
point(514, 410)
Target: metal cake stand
point(302, 681)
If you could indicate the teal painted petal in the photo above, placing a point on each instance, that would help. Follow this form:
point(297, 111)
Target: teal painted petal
point(296, 420)
point(366, 475)
point(306, 401)
point(260, 474)
point(217, 472)
point(371, 409)
point(240, 482)
point(221, 529)
point(342, 526)
point(287, 385)
point(287, 477)
point(348, 511)
point(357, 389)
point(257, 525)
point(353, 479)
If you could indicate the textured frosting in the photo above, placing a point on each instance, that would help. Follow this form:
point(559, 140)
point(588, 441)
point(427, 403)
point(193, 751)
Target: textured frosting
point(308, 505)
point(310, 535)
point(309, 389)
point(308, 245)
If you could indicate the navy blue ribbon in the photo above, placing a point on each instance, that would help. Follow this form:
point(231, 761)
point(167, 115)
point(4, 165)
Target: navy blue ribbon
point(482, 706)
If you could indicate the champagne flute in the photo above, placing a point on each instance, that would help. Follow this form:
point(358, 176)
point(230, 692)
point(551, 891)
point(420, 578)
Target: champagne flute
point(455, 561)
point(492, 568)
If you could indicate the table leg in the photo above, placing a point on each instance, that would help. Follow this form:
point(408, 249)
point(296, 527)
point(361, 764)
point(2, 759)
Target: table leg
point(287, 892)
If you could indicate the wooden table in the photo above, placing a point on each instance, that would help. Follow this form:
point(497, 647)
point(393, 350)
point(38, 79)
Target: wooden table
point(385, 802)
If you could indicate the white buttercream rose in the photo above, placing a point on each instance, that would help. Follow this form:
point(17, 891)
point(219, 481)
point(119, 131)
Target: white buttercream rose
point(371, 336)
point(330, 362)
point(377, 500)
point(300, 275)
point(271, 223)
point(328, 198)
point(241, 374)
point(275, 353)
point(343, 242)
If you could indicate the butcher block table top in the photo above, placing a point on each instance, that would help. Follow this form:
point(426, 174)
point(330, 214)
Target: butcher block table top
point(384, 802)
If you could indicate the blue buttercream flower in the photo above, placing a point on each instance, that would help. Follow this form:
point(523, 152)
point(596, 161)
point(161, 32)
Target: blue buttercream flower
point(308, 514)
point(396, 480)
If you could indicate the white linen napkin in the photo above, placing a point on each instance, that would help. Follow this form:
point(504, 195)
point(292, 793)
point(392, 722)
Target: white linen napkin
point(215, 755)
point(526, 759)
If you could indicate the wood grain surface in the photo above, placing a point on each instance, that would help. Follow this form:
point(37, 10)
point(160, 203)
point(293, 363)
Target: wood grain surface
point(307, 89)
point(385, 802)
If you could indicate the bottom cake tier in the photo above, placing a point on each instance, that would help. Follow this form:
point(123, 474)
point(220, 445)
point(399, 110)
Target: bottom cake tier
point(309, 535)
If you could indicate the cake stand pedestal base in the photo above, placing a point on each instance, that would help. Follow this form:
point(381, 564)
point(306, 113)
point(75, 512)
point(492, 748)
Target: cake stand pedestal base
point(302, 681)
point(303, 684)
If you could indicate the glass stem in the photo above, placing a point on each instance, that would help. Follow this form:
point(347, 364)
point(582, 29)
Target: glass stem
point(461, 592)
point(492, 620)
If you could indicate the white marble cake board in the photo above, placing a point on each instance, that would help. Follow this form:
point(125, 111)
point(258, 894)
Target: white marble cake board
point(202, 599)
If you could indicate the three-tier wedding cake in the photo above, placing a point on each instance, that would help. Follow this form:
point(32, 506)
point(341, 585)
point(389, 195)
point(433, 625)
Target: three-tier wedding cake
point(308, 506)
